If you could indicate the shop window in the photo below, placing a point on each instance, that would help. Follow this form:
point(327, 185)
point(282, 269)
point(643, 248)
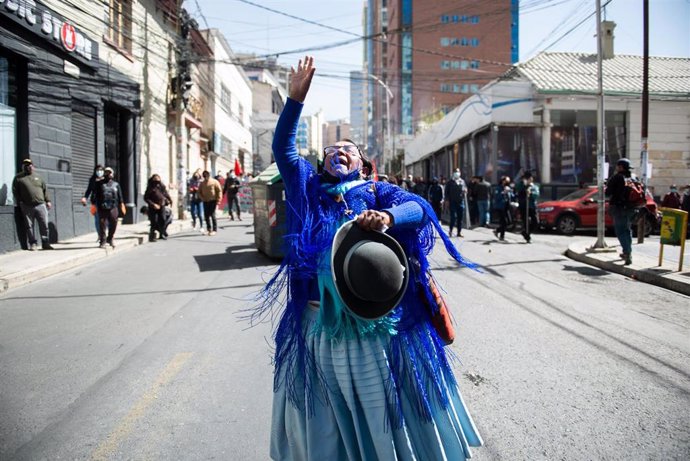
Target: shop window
point(573, 143)
point(8, 129)
point(120, 24)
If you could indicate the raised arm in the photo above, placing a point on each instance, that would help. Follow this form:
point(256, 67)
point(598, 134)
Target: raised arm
point(284, 148)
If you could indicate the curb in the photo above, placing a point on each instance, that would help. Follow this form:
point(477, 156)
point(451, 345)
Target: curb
point(18, 279)
point(641, 275)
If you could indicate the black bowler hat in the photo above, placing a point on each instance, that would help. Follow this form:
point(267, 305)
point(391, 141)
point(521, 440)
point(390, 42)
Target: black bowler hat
point(369, 270)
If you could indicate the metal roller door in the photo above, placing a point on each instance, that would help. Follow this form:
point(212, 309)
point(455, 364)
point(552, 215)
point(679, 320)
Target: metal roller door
point(83, 147)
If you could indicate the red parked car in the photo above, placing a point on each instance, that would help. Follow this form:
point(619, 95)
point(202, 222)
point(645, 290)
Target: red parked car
point(578, 210)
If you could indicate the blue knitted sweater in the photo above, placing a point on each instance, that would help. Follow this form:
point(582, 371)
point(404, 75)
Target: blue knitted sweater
point(415, 351)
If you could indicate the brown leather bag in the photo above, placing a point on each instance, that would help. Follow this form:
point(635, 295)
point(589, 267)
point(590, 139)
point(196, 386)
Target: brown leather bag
point(440, 317)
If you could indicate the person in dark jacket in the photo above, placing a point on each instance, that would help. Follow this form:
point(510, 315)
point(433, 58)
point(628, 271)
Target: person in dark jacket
point(436, 197)
point(619, 210)
point(502, 199)
point(230, 189)
point(527, 194)
point(482, 197)
point(454, 200)
point(157, 198)
point(420, 187)
point(195, 204)
point(672, 198)
point(109, 201)
point(31, 196)
point(95, 178)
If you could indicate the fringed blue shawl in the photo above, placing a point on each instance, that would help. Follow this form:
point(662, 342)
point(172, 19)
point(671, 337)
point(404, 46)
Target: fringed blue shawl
point(416, 354)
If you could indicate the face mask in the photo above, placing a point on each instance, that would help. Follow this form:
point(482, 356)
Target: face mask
point(456, 176)
point(99, 173)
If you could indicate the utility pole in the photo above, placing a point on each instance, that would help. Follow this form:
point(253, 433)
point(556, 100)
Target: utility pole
point(183, 83)
point(644, 157)
point(387, 142)
point(601, 144)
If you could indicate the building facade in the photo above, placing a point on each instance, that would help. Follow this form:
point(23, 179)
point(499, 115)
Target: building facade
point(231, 110)
point(336, 130)
point(73, 84)
point(358, 108)
point(434, 56)
point(268, 100)
point(541, 117)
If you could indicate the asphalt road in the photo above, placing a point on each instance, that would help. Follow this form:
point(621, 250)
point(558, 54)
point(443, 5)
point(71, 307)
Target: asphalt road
point(144, 356)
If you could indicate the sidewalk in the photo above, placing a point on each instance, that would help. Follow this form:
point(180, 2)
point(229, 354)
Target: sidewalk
point(22, 267)
point(645, 262)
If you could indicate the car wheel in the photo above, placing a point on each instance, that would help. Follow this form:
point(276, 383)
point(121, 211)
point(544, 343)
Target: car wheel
point(567, 224)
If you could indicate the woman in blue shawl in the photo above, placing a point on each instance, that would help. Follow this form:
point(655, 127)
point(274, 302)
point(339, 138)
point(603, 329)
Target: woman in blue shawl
point(345, 388)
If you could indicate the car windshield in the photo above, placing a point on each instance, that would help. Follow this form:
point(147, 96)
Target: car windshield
point(578, 194)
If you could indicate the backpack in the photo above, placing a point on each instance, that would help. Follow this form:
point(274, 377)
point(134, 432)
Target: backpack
point(634, 193)
point(109, 192)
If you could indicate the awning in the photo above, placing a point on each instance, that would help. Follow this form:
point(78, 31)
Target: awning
point(496, 102)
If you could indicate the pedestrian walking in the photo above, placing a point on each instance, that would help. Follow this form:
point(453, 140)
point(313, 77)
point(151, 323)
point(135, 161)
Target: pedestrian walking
point(157, 198)
point(436, 197)
point(195, 204)
point(95, 178)
point(672, 198)
point(211, 194)
point(109, 201)
point(454, 200)
point(356, 386)
point(620, 209)
point(527, 193)
point(31, 195)
point(471, 199)
point(230, 189)
point(482, 197)
point(502, 203)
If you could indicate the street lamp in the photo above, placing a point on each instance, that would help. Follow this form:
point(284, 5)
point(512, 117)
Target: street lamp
point(388, 113)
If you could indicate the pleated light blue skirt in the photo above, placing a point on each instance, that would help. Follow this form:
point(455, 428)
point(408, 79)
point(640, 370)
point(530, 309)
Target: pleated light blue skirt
point(353, 421)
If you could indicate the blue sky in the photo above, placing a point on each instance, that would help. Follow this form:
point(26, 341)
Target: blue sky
point(252, 29)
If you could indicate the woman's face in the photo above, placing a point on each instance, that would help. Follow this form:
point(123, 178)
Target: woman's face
point(155, 178)
point(342, 159)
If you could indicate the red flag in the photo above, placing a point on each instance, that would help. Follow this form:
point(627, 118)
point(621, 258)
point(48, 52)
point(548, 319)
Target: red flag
point(238, 168)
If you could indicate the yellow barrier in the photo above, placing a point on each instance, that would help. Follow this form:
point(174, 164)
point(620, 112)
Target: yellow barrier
point(674, 224)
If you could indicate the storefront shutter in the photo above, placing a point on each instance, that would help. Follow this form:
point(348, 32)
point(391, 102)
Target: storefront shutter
point(83, 147)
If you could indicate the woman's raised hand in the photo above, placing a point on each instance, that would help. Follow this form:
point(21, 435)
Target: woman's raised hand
point(300, 79)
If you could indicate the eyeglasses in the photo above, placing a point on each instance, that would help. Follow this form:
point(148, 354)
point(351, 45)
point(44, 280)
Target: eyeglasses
point(347, 148)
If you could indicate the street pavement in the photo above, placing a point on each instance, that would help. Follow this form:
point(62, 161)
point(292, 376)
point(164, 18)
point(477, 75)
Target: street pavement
point(144, 355)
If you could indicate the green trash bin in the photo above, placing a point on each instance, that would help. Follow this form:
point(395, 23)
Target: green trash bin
point(268, 199)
